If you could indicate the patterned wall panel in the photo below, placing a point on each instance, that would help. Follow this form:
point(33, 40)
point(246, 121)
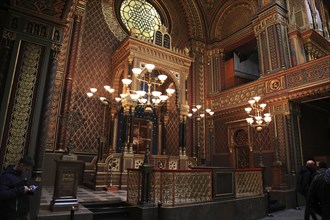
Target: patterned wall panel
point(281, 138)
point(273, 47)
point(241, 96)
point(16, 135)
point(93, 70)
point(173, 129)
point(55, 105)
point(310, 74)
point(263, 140)
point(220, 136)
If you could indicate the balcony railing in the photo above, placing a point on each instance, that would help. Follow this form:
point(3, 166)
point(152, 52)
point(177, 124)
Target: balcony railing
point(183, 187)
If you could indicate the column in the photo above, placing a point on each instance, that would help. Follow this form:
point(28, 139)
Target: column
point(270, 28)
point(73, 51)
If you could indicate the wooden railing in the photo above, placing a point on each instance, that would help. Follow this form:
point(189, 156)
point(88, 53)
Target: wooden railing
point(183, 187)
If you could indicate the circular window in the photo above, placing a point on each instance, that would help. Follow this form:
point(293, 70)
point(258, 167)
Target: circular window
point(140, 15)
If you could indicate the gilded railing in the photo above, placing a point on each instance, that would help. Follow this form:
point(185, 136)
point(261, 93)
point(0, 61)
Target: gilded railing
point(248, 182)
point(183, 187)
point(133, 186)
point(173, 187)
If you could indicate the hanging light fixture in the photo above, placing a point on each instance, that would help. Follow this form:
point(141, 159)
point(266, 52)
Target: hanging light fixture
point(148, 96)
point(257, 118)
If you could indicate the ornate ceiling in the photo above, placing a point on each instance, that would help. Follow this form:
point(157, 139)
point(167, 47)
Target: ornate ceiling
point(188, 19)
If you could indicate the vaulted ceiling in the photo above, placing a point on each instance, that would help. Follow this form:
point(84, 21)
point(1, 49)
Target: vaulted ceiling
point(200, 20)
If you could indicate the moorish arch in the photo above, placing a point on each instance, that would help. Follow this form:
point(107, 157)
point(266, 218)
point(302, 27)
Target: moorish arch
point(192, 14)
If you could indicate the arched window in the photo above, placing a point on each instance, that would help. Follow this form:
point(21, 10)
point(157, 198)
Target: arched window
point(140, 15)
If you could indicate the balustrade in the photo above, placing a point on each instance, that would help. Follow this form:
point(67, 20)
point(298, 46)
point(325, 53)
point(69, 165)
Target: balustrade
point(183, 187)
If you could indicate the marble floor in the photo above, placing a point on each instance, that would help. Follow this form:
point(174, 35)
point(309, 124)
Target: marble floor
point(85, 195)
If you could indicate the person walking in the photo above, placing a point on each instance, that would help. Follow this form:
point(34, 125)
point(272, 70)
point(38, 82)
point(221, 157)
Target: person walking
point(319, 195)
point(306, 175)
point(321, 168)
point(15, 190)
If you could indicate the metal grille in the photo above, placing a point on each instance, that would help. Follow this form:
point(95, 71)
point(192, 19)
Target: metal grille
point(242, 157)
point(248, 183)
point(133, 186)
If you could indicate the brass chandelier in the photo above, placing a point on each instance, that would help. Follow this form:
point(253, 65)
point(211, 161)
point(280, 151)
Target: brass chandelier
point(148, 97)
point(257, 118)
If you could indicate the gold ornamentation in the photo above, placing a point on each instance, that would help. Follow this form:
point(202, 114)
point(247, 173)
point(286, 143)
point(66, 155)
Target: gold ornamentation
point(248, 183)
point(111, 20)
point(23, 104)
point(275, 84)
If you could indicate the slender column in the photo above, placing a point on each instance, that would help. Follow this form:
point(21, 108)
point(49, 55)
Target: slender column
point(103, 138)
point(69, 79)
point(211, 141)
point(111, 129)
point(125, 137)
point(198, 144)
point(44, 123)
point(180, 135)
point(184, 152)
point(160, 133)
point(194, 146)
point(131, 128)
point(47, 100)
point(146, 169)
point(164, 131)
point(114, 133)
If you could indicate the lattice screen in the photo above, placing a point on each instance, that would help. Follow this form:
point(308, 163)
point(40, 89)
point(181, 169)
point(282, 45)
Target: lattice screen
point(172, 128)
point(263, 140)
point(93, 70)
point(220, 136)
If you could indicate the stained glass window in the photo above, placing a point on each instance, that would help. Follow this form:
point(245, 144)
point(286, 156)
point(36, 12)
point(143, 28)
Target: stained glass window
point(141, 15)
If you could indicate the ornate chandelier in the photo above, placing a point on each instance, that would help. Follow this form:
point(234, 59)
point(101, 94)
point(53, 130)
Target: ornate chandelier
point(103, 99)
point(200, 114)
point(148, 97)
point(257, 118)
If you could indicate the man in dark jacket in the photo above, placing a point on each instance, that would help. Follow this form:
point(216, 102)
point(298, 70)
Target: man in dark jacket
point(305, 178)
point(15, 190)
point(319, 195)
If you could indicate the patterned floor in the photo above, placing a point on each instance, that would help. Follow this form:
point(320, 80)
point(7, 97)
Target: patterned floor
point(85, 195)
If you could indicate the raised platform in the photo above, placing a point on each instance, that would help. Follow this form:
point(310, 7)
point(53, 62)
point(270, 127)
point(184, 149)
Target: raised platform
point(86, 198)
point(112, 205)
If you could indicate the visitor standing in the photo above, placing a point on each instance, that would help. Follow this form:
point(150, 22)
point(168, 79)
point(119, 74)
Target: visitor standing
point(15, 190)
point(305, 178)
point(319, 195)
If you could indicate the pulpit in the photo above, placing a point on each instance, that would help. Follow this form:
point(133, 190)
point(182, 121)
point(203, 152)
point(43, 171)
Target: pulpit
point(65, 188)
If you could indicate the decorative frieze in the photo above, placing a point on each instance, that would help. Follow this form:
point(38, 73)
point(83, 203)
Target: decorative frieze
point(307, 80)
